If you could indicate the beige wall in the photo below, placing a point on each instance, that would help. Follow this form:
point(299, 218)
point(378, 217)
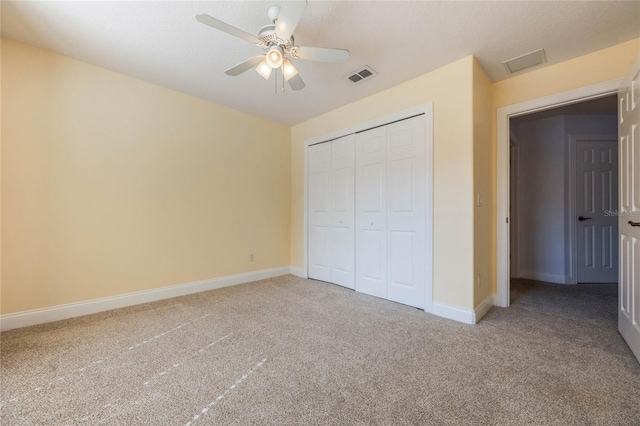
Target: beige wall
point(450, 89)
point(603, 65)
point(483, 222)
point(460, 97)
point(112, 185)
point(597, 67)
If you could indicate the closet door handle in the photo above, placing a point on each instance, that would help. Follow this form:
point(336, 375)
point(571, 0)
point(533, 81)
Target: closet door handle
point(634, 223)
point(581, 218)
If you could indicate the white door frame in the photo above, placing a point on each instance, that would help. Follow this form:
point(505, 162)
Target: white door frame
point(427, 110)
point(502, 188)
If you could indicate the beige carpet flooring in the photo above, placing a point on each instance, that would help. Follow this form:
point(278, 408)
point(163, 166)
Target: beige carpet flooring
point(288, 351)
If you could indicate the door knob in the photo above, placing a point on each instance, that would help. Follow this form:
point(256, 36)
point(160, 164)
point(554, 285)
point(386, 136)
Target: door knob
point(581, 218)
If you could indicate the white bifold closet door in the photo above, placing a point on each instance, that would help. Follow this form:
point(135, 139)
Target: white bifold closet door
point(391, 212)
point(371, 212)
point(331, 211)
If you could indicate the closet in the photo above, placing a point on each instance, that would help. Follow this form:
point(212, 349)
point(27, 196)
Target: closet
point(331, 211)
point(367, 212)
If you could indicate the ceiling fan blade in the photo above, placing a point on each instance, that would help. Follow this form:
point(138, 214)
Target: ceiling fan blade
point(229, 29)
point(245, 66)
point(322, 54)
point(296, 82)
point(288, 18)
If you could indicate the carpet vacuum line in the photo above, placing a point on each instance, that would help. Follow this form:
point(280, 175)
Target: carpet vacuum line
point(182, 360)
point(206, 409)
point(100, 361)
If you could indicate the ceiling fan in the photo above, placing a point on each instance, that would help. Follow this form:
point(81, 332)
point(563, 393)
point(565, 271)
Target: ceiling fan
point(278, 42)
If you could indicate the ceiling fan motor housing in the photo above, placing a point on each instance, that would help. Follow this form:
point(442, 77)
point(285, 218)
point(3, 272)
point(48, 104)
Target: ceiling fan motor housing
point(268, 36)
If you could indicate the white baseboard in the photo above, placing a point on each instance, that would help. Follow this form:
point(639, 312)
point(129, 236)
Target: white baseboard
point(466, 316)
point(455, 313)
point(497, 301)
point(72, 310)
point(298, 272)
point(483, 308)
point(549, 278)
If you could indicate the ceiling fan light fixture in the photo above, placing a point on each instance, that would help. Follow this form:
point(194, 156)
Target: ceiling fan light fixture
point(288, 70)
point(275, 57)
point(264, 70)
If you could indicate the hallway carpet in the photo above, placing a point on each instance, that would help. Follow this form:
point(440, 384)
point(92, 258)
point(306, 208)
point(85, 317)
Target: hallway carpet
point(289, 351)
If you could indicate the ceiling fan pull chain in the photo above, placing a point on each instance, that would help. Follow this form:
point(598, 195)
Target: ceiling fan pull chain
point(282, 69)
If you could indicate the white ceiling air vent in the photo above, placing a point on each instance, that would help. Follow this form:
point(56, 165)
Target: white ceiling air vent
point(528, 60)
point(360, 75)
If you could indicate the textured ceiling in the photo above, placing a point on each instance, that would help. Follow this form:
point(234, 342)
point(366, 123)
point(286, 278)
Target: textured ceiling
point(161, 42)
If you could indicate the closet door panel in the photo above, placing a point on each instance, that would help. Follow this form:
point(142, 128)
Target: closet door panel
point(371, 200)
point(406, 212)
point(343, 211)
point(319, 210)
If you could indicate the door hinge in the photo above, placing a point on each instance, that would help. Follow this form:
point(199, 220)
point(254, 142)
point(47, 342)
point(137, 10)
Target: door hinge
point(507, 220)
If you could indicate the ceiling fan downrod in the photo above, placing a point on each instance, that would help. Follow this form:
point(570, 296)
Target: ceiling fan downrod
point(273, 12)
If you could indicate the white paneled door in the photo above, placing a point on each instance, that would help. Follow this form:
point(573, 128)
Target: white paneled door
point(320, 212)
point(367, 204)
point(371, 212)
point(596, 202)
point(342, 211)
point(331, 211)
point(406, 212)
point(391, 212)
point(629, 212)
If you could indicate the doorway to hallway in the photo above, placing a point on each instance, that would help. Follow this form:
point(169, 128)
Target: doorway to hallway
point(563, 184)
